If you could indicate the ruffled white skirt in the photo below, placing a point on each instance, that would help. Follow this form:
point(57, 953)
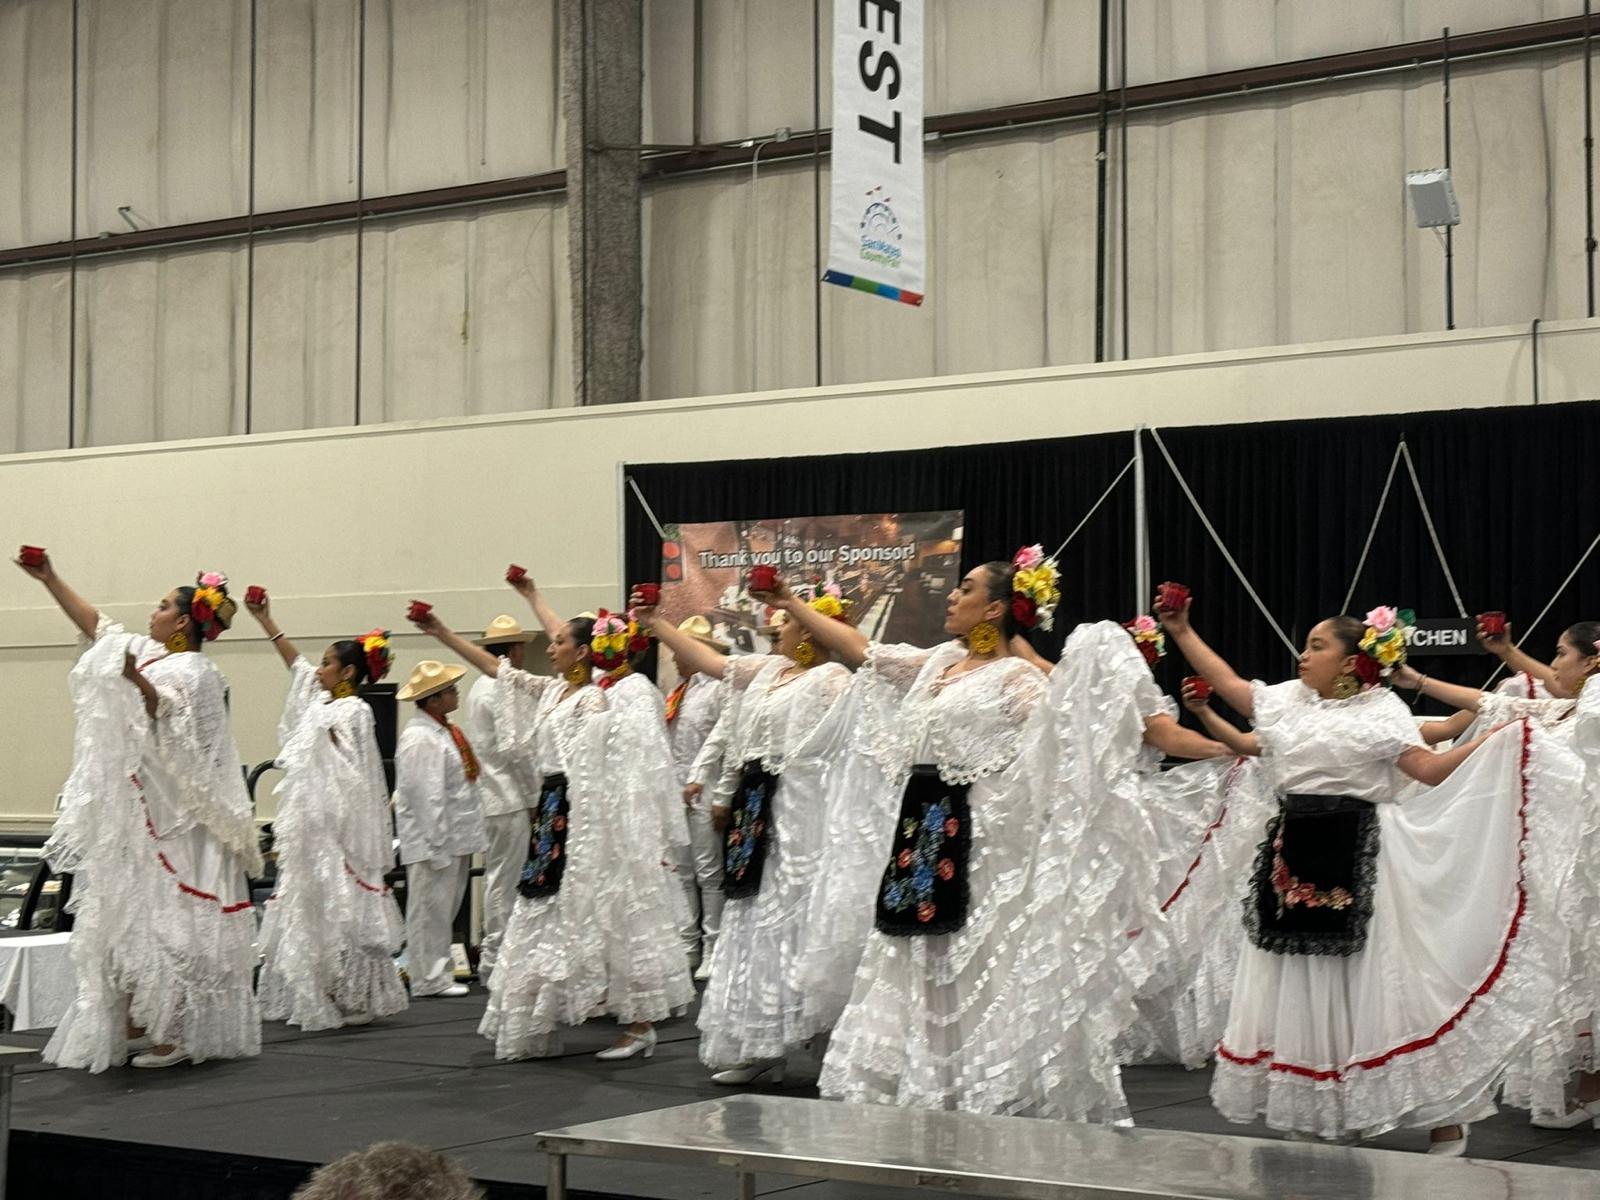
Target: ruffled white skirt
point(930, 1020)
point(330, 933)
point(1464, 949)
point(753, 1008)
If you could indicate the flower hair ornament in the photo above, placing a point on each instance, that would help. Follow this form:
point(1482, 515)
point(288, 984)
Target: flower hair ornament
point(616, 637)
point(379, 655)
point(210, 608)
point(1035, 588)
point(1148, 635)
point(1383, 645)
point(826, 598)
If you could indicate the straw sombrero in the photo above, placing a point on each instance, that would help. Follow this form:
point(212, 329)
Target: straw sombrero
point(699, 629)
point(504, 629)
point(428, 677)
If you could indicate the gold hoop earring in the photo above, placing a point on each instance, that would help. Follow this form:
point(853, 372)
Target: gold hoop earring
point(983, 638)
point(1583, 682)
point(1346, 686)
point(804, 654)
point(577, 674)
point(343, 690)
point(178, 643)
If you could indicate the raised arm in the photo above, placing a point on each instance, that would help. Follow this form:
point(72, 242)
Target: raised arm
point(79, 611)
point(844, 641)
point(1426, 766)
point(1514, 657)
point(1246, 745)
point(1167, 736)
point(1210, 665)
point(480, 658)
point(692, 655)
point(548, 617)
point(263, 614)
point(1464, 698)
point(1447, 730)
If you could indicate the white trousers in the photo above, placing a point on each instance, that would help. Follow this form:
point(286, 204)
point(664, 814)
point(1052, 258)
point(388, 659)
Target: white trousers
point(702, 882)
point(502, 870)
point(433, 895)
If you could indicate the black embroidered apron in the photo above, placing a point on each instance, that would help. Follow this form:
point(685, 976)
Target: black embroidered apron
point(744, 845)
point(1314, 877)
point(547, 842)
point(924, 889)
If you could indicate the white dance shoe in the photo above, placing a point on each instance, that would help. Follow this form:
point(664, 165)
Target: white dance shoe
point(1579, 1114)
point(1456, 1148)
point(348, 1020)
point(766, 1071)
point(150, 1060)
point(455, 989)
point(632, 1045)
point(141, 1043)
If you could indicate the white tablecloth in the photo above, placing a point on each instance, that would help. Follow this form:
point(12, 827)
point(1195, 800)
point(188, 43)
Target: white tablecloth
point(37, 982)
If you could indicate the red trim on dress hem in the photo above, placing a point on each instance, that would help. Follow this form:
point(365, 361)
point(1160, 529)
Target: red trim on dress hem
point(1483, 989)
point(363, 884)
point(186, 889)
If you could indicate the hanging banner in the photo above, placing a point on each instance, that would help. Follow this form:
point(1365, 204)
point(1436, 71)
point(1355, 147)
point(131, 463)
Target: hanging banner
point(878, 239)
point(896, 569)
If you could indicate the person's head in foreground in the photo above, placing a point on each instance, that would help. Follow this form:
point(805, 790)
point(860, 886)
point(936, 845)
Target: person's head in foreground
point(391, 1171)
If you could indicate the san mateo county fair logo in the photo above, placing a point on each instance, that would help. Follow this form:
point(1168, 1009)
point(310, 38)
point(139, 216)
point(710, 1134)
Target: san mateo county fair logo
point(880, 232)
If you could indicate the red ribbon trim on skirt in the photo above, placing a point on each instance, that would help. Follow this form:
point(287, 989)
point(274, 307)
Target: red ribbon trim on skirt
point(186, 889)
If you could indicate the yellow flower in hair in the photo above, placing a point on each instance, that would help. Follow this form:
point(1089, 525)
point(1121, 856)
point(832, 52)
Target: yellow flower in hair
point(828, 606)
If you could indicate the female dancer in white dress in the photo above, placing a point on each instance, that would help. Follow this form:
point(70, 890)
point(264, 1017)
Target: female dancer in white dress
point(1569, 710)
point(785, 724)
point(1398, 953)
point(594, 928)
point(156, 827)
point(332, 927)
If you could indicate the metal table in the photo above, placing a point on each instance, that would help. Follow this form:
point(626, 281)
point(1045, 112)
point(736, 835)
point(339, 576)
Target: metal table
point(1027, 1159)
point(11, 1057)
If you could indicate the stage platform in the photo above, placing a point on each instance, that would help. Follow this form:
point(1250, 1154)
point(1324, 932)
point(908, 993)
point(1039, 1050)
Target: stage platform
point(252, 1130)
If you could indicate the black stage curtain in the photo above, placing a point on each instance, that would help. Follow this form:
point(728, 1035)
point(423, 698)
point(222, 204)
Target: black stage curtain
point(1514, 493)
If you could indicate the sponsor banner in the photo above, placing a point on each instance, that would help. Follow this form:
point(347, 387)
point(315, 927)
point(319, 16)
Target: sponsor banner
point(896, 569)
point(878, 230)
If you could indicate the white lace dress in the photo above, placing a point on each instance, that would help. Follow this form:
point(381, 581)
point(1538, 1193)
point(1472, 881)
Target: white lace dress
point(751, 1009)
point(1565, 1042)
point(926, 1011)
point(607, 940)
point(156, 827)
point(332, 927)
point(1464, 944)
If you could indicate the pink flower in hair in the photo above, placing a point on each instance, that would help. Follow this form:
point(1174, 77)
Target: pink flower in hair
point(213, 579)
point(1143, 623)
point(1028, 556)
point(1382, 618)
point(834, 590)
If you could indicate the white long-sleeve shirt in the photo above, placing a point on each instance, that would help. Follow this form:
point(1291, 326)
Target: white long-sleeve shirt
point(436, 808)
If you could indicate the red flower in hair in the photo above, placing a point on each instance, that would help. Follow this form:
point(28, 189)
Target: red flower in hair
point(1024, 610)
point(1367, 670)
point(202, 612)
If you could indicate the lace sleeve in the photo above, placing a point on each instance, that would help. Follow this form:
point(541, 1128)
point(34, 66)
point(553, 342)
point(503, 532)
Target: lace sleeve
point(1390, 729)
point(303, 688)
point(895, 664)
point(742, 669)
point(195, 740)
point(1025, 687)
point(518, 702)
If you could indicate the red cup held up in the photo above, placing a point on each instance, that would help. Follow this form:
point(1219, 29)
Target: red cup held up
point(1492, 623)
point(31, 556)
point(418, 610)
point(255, 594)
point(516, 574)
point(1171, 597)
point(1198, 685)
point(649, 594)
point(763, 578)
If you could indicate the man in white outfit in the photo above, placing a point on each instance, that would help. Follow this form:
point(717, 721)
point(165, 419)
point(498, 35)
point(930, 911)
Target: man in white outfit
point(440, 822)
point(508, 788)
point(692, 711)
